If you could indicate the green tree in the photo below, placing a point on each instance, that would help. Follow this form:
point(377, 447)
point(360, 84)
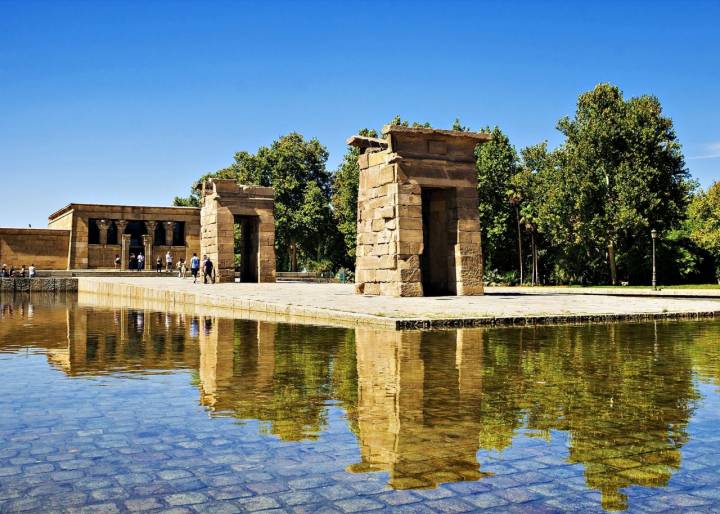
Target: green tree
point(527, 185)
point(459, 126)
point(193, 200)
point(345, 184)
point(704, 222)
point(295, 168)
point(399, 122)
point(620, 172)
point(497, 162)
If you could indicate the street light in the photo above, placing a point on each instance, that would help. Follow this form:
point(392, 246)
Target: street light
point(653, 234)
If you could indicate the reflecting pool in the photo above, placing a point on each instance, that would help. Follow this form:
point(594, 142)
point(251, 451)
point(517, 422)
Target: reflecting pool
point(125, 410)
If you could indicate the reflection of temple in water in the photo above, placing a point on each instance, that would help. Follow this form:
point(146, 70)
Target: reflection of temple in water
point(276, 374)
point(422, 404)
point(416, 396)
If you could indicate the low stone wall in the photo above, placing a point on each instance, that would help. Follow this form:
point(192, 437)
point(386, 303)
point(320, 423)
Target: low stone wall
point(45, 248)
point(38, 284)
point(163, 298)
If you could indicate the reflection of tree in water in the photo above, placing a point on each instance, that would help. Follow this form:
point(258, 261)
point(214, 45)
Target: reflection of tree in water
point(278, 374)
point(429, 401)
point(622, 393)
point(421, 403)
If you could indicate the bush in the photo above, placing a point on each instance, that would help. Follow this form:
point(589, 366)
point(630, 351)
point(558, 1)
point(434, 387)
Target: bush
point(497, 278)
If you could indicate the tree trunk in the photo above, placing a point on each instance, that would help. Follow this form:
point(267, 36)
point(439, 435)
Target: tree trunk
point(537, 265)
point(293, 256)
point(520, 255)
point(613, 266)
point(533, 278)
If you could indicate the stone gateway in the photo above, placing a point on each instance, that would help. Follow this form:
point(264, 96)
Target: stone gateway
point(238, 220)
point(418, 231)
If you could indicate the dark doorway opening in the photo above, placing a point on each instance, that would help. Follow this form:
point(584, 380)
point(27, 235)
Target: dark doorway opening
point(437, 259)
point(136, 229)
point(246, 247)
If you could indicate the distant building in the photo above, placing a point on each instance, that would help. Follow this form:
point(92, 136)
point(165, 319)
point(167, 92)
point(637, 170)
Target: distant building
point(89, 236)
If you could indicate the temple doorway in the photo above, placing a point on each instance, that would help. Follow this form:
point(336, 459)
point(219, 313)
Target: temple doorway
point(436, 258)
point(136, 229)
point(246, 247)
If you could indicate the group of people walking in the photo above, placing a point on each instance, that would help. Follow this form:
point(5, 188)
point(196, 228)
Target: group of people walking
point(9, 272)
point(206, 266)
point(137, 262)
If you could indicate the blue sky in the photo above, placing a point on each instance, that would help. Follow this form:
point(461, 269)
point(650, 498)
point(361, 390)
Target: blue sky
point(129, 102)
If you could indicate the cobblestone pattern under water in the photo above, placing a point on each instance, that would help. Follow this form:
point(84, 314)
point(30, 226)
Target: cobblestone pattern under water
point(123, 441)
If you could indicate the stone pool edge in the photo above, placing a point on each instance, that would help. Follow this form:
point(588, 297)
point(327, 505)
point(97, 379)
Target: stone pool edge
point(168, 298)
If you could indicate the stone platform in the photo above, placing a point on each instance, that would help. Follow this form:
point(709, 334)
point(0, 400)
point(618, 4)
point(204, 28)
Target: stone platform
point(336, 304)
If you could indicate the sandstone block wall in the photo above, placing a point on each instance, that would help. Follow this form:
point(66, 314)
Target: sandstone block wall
point(82, 255)
point(46, 248)
point(397, 175)
point(222, 201)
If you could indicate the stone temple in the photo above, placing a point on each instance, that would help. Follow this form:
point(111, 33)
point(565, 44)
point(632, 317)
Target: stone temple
point(235, 228)
point(234, 215)
point(418, 231)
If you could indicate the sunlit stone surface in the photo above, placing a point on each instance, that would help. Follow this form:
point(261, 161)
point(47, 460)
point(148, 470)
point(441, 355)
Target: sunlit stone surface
point(132, 410)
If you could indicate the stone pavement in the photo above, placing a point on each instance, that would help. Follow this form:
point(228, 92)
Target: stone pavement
point(337, 304)
point(681, 292)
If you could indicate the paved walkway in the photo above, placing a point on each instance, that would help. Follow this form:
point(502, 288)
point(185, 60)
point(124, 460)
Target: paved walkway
point(682, 292)
point(337, 303)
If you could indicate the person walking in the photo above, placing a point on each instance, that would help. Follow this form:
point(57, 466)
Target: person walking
point(208, 270)
point(141, 262)
point(168, 262)
point(32, 272)
point(117, 262)
point(158, 265)
point(133, 262)
point(181, 268)
point(194, 267)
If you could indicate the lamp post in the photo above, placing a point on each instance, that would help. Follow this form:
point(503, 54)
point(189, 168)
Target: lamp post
point(653, 234)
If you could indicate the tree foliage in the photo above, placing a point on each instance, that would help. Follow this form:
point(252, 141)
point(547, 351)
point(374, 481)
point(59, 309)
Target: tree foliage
point(296, 169)
point(497, 162)
point(591, 203)
point(579, 213)
point(704, 222)
point(620, 173)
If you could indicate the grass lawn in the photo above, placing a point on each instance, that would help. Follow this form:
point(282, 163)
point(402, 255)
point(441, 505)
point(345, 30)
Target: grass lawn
point(683, 286)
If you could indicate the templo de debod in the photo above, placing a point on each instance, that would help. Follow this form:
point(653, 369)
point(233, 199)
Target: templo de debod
point(418, 229)
point(418, 224)
point(90, 236)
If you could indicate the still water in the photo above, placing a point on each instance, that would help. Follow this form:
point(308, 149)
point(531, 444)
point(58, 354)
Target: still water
point(114, 410)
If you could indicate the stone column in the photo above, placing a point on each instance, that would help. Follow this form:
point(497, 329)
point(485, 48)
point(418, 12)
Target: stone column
point(169, 229)
point(124, 242)
point(120, 225)
point(103, 226)
point(124, 254)
point(150, 226)
point(148, 245)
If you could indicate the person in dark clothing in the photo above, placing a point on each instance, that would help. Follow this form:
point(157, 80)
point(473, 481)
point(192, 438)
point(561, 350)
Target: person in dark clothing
point(133, 262)
point(208, 270)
